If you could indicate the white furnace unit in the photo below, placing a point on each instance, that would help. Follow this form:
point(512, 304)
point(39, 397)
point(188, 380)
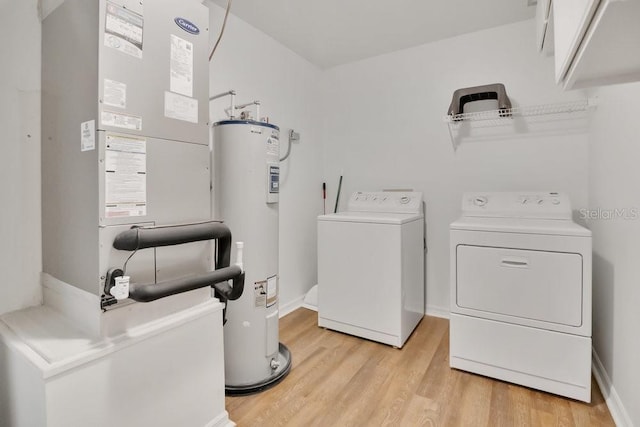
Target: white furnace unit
point(371, 267)
point(521, 292)
point(129, 334)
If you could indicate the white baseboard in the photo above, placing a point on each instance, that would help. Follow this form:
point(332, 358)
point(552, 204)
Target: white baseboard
point(221, 420)
point(310, 307)
point(618, 412)
point(299, 302)
point(437, 311)
point(291, 306)
point(311, 299)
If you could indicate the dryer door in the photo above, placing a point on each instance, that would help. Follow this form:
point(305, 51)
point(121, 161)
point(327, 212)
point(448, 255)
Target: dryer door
point(522, 284)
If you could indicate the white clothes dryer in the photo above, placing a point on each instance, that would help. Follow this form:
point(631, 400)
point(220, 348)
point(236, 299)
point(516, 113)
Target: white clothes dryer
point(371, 267)
point(521, 292)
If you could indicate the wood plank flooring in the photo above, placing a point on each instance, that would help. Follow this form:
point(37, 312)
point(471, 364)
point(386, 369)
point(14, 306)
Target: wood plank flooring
point(340, 380)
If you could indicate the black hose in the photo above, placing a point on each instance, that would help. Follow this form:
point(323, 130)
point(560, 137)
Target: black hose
point(152, 237)
point(153, 291)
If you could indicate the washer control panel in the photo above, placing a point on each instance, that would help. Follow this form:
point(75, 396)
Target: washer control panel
point(385, 201)
point(523, 204)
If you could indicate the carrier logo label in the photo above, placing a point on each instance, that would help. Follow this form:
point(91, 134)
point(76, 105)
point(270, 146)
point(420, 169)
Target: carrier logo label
point(187, 25)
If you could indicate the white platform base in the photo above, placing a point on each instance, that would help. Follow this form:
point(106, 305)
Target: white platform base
point(551, 361)
point(168, 372)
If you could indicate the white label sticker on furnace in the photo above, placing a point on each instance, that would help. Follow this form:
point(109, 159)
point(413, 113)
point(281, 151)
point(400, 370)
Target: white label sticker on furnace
point(88, 135)
point(181, 66)
point(118, 120)
point(123, 30)
point(180, 107)
point(272, 290)
point(125, 180)
point(114, 93)
point(260, 294)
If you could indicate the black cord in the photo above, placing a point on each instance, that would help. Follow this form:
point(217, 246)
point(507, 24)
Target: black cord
point(124, 267)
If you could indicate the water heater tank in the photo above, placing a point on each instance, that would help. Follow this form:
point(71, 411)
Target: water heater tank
point(246, 188)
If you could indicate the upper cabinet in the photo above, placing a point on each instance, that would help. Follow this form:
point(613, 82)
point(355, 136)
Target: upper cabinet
point(595, 42)
point(544, 27)
point(571, 19)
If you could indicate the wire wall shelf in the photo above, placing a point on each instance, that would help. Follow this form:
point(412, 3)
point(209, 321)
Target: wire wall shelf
point(466, 122)
point(523, 111)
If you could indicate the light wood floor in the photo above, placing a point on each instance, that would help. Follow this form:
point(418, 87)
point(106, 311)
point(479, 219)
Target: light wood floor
point(340, 380)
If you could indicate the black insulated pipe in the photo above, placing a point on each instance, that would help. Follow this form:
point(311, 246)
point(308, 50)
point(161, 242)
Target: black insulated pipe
point(154, 291)
point(152, 237)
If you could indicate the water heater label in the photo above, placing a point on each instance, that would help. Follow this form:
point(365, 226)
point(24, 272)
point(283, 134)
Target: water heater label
point(272, 290)
point(260, 294)
point(273, 146)
point(123, 30)
point(274, 179)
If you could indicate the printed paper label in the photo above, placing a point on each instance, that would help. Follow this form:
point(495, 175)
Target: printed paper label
point(180, 107)
point(124, 121)
point(115, 94)
point(272, 290)
point(88, 135)
point(260, 294)
point(125, 176)
point(273, 146)
point(123, 30)
point(181, 66)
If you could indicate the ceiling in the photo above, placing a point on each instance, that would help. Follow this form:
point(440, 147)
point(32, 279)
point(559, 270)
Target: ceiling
point(335, 32)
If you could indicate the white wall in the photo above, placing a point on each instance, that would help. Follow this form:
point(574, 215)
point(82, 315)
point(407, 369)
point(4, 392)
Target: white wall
point(383, 129)
point(381, 126)
point(20, 240)
point(258, 67)
point(614, 183)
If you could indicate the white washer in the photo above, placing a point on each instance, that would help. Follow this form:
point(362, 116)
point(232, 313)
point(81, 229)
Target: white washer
point(371, 267)
point(521, 292)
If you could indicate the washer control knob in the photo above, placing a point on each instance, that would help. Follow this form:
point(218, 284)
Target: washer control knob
point(404, 200)
point(555, 201)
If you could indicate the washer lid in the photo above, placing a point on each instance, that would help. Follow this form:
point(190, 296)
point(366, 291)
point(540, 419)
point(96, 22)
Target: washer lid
point(371, 217)
point(556, 227)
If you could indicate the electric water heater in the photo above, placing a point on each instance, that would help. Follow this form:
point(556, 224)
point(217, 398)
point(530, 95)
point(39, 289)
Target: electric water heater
point(246, 189)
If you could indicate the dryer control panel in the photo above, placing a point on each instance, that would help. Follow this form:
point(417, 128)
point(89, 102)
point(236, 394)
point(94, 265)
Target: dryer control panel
point(385, 201)
point(523, 204)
